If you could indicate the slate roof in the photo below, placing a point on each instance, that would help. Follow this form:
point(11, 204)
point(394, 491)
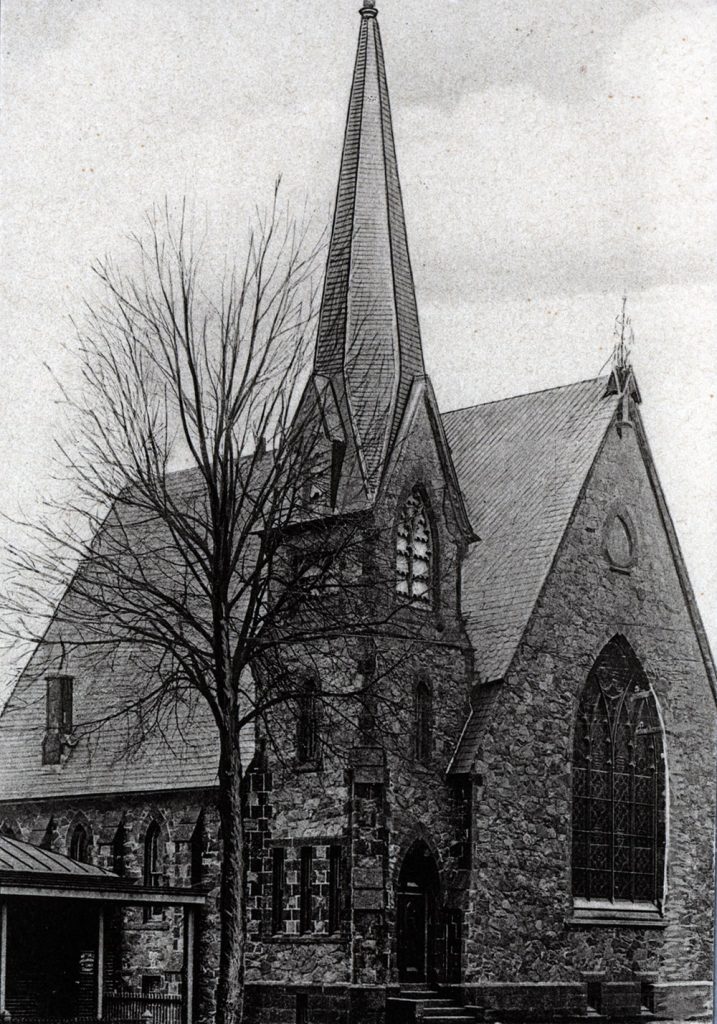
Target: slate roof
point(16, 856)
point(480, 717)
point(114, 752)
point(183, 754)
point(521, 463)
point(368, 341)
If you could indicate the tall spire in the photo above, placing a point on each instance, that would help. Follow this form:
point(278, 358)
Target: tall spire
point(368, 340)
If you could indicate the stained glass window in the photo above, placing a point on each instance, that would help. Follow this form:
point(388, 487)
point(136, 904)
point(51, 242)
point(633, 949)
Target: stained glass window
point(414, 552)
point(618, 783)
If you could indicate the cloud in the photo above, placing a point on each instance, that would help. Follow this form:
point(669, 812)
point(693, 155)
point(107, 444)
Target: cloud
point(551, 153)
point(521, 193)
point(475, 45)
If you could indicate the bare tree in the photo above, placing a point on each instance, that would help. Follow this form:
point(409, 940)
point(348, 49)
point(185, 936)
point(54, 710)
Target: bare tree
point(208, 579)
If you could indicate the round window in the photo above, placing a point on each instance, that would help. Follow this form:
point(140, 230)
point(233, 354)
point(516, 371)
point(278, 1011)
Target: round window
point(619, 541)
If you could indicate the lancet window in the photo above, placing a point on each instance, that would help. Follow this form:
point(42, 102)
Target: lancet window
point(414, 552)
point(423, 709)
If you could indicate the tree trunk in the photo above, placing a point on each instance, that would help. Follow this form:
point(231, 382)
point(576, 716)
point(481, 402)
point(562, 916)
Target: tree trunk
point(230, 987)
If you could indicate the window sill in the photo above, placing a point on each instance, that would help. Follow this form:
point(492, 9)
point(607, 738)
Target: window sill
point(309, 767)
point(336, 939)
point(617, 913)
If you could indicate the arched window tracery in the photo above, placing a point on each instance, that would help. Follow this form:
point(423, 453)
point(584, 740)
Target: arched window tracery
point(414, 552)
point(618, 783)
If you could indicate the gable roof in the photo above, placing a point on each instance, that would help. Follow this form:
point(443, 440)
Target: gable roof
point(423, 395)
point(521, 463)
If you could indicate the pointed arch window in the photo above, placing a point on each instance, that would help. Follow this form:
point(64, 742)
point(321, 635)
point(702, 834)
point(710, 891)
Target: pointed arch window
point(79, 845)
point(197, 850)
point(152, 867)
point(414, 552)
point(423, 739)
point(153, 856)
point(618, 780)
point(118, 850)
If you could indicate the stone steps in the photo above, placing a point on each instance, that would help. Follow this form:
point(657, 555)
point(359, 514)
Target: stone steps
point(433, 1007)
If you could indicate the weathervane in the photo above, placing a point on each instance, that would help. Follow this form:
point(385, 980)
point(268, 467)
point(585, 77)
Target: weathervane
point(624, 340)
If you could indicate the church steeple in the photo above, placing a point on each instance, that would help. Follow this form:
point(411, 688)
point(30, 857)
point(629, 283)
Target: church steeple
point(368, 341)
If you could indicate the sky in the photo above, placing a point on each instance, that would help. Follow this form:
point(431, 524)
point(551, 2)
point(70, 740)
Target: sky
point(553, 157)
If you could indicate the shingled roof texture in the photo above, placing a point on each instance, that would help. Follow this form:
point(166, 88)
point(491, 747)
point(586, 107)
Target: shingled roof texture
point(369, 339)
point(521, 463)
point(173, 746)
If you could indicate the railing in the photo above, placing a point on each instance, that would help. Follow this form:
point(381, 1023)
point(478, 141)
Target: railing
point(136, 1009)
point(25, 1018)
point(124, 1008)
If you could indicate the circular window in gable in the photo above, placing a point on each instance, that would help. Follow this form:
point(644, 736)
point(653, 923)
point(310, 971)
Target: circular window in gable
point(619, 540)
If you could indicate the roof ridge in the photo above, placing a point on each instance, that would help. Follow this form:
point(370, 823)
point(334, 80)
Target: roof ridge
point(527, 394)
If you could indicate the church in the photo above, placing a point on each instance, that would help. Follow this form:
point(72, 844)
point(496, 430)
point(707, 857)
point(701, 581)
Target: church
point(537, 842)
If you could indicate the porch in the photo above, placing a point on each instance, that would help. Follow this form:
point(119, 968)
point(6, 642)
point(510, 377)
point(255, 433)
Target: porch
point(53, 940)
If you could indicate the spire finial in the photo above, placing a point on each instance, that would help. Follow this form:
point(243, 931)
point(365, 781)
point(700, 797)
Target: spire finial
point(369, 9)
point(624, 340)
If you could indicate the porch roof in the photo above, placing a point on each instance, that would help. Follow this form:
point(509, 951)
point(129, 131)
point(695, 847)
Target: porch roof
point(27, 870)
point(16, 856)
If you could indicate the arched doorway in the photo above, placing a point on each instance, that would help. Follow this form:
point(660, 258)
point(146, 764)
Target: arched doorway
point(417, 903)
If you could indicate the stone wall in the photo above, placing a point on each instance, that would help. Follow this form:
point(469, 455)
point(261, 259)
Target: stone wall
point(371, 797)
point(369, 792)
point(140, 944)
point(519, 925)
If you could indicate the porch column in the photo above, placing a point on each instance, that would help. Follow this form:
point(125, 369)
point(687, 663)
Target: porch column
point(188, 965)
point(3, 957)
point(100, 961)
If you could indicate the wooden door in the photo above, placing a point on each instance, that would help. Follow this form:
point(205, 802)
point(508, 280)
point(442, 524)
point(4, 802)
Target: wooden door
point(411, 936)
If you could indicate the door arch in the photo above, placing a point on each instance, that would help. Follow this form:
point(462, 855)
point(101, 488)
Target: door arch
point(417, 915)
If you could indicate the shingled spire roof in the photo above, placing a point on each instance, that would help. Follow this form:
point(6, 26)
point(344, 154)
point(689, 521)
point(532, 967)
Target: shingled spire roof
point(368, 341)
